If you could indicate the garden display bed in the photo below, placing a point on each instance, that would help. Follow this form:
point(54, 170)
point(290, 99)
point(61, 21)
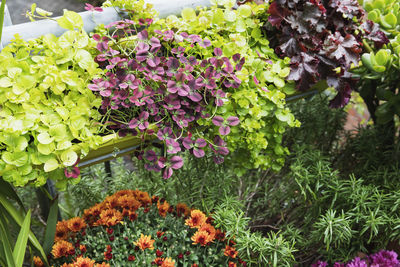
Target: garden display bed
point(201, 89)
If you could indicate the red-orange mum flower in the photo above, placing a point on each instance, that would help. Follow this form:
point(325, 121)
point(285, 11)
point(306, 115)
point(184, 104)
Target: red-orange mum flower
point(84, 262)
point(67, 265)
point(158, 261)
point(162, 208)
point(194, 265)
point(219, 235)
point(128, 202)
point(201, 237)
point(182, 210)
point(82, 248)
point(143, 197)
point(168, 262)
point(231, 264)
point(61, 231)
point(62, 248)
point(144, 242)
point(103, 264)
point(209, 229)
point(37, 261)
point(196, 220)
point(109, 217)
point(76, 224)
point(230, 252)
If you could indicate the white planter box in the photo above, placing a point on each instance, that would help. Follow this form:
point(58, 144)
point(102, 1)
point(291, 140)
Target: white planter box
point(38, 28)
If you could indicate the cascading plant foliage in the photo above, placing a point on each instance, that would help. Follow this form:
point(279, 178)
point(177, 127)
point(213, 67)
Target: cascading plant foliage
point(258, 101)
point(152, 80)
point(47, 114)
point(323, 40)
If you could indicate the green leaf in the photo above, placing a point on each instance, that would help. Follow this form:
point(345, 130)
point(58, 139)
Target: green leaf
point(70, 20)
point(6, 243)
point(69, 157)
point(15, 214)
point(240, 25)
point(244, 11)
point(44, 138)
point(389, 20)
point(188, 14)
point(7, 190)
point(43, 12)
point(50, 165)
point(46, 149)
point(16, 158)
point(51, 227)
point(84, 59)
point(22, 240)
point(5, 82)
point(230, 15)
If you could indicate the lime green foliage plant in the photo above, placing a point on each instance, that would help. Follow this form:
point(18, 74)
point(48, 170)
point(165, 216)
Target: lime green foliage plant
point(259, 102)
point(47, 115)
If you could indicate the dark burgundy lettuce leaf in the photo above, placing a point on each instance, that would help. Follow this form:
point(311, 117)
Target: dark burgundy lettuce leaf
point(321, 37)
point(344, 49)
point(349, 8)
point(374, 34)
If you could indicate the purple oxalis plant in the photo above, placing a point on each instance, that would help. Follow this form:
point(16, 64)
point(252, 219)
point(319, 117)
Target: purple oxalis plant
point(156, 86)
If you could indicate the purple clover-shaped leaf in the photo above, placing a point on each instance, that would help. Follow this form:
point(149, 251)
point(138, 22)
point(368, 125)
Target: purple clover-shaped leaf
point(217, 52)
point(176, 162)
point(164, 133)
point(173, 147)
point(218, 120)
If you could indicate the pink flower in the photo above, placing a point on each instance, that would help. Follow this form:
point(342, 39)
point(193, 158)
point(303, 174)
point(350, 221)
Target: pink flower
point(89, 7)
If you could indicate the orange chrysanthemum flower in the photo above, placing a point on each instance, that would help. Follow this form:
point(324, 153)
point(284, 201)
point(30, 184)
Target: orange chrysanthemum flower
point(162, 208)
point(143, 197)
point(37, 261)
point(230, 252)
point(76, 224)
point(128, 202)
point(103, 264)
point(84, 262)
point(158, 261)
point(209, 229)
point(196, 220)
point(144, 242)
point(201, 237)
point(111, 201)
point(194, 265)
point(62, 248)
point(182, 210)
point(67, 265)
point(109, 217)
point(61, 231)
point(232, 264)
point(168, 262)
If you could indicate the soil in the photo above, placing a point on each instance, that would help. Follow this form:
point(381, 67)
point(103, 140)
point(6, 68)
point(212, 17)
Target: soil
point(18, 8)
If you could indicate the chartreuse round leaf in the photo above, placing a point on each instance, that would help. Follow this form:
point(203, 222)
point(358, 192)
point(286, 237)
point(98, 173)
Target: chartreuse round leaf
point(51, 165)
point(46, 149)
point(5, 82)
point(70, 21)
point(44, 138)
point(69, 157)
point(244, 11)
point(188, 14)
point(15, 158)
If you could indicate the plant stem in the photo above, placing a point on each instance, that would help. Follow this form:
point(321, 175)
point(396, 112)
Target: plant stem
point(2, 9)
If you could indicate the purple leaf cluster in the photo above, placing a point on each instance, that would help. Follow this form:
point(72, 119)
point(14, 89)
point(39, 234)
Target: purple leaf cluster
point(383, 258)
point(158, 84)
point(322, 39)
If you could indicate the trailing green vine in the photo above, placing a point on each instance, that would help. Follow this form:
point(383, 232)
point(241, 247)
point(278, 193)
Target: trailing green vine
point(47, 116)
